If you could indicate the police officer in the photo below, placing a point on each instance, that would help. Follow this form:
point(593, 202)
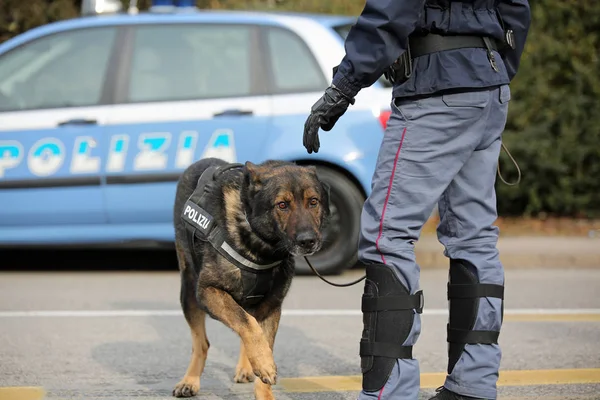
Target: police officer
point(451, 63)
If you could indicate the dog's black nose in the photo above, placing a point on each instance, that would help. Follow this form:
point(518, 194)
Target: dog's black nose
point(306, 239)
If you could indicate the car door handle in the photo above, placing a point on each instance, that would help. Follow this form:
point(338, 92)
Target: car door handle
point(232, 112)
point(78, 121)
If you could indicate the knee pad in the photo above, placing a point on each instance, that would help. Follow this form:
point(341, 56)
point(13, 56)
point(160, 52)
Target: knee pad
point(464, 292)
point(388, 315)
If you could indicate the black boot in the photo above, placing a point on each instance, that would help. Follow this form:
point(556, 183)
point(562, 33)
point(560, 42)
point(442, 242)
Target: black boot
point(445, 394)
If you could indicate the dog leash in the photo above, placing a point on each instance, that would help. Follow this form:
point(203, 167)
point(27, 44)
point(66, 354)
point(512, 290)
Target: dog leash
point(333, 283)
point(516, 165)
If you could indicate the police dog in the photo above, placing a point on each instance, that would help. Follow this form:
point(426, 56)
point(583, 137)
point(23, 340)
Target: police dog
point(273, 211)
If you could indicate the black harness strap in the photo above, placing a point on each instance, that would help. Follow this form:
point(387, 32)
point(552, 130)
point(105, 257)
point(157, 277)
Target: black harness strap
point(472, 337)
point(383, 349)
point(200, 224)
point(469, 291)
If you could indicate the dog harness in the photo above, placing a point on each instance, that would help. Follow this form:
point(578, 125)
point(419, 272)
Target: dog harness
point(256, 278)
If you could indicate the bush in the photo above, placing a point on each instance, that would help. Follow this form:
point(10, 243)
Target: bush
point(18, 16)
point(554, 118)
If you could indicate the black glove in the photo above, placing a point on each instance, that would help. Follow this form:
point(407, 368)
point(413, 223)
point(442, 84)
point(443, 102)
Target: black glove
point(324, 114)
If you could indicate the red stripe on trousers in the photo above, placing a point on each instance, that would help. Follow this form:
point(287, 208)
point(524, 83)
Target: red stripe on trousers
point(387, 198)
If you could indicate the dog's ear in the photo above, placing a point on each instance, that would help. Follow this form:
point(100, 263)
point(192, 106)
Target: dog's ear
point(251, 175)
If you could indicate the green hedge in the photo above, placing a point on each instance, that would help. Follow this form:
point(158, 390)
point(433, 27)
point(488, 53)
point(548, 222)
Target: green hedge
point(17, 16)
point(553, 128)
point(554, 119)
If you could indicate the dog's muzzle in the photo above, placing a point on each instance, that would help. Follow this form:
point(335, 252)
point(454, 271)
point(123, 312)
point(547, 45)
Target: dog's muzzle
point(306, 243)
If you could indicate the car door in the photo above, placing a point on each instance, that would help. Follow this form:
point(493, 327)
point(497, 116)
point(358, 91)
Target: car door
point(193, 91)
point(52, 111)
point(296, 82)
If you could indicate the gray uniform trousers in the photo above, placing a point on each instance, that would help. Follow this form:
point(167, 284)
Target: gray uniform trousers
point(442, 149)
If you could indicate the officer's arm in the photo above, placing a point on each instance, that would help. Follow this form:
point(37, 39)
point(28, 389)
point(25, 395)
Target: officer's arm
point(516, 15)
point(375, 41)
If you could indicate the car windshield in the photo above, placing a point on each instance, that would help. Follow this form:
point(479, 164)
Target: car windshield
point(343, 31)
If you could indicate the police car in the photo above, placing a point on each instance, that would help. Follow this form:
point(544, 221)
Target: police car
point(100, 114)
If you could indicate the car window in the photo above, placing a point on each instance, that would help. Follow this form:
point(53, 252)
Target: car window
point(61, 70)
point(343, 31)
point(293, 65)
point(184, 62)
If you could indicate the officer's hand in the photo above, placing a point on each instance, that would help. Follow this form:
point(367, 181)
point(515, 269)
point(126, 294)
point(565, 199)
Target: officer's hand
point(324, 114)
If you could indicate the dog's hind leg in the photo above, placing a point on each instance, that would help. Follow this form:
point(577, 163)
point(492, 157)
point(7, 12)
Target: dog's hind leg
point(269, 325)
point(190, 384)
point(243, 370)
point(222, 307)
point(196, 318)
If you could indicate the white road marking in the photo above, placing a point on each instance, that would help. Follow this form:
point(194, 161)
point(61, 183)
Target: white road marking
point(288, 312)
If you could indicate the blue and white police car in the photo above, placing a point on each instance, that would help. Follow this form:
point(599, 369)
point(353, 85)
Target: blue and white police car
point(100, 114)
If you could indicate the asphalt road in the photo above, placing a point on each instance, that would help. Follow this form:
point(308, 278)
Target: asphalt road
point(111, 334)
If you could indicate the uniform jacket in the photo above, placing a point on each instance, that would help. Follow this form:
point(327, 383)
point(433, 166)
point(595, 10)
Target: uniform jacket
point(381, 33)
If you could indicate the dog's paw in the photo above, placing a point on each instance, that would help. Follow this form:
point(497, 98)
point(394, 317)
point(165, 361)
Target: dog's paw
point(267, 372)
point(243, 375)
point(186, 388)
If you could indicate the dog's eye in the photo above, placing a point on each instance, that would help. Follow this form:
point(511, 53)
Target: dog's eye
point(313, 202)
point(282, 205)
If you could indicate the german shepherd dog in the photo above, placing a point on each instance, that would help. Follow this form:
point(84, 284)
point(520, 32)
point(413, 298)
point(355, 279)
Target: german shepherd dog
point(271, 211)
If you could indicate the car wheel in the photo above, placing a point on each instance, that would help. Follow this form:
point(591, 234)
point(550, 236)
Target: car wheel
point(340, 236)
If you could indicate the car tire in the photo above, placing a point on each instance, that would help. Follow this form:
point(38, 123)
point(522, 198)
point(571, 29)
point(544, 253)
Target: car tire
point(340, 248)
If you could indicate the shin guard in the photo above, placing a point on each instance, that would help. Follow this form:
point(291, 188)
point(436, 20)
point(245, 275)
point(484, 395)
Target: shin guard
point(388, 315)
point(464, 292)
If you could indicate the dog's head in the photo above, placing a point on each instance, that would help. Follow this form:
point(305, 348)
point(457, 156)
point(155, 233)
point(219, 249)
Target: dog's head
point(286, 204)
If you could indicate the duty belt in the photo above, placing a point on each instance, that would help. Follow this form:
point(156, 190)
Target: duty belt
point(419, 46)
point(200, 224)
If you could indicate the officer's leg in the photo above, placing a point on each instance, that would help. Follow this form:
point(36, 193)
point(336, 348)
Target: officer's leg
point(425, 145)
point(476, 278)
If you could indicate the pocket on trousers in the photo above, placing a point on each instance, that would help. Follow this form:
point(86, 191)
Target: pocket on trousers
point(477, 99)
point(406, 108)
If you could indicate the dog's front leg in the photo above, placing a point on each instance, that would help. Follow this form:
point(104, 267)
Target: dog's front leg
point(221, 306)
point(269, 325)
point(243, 369)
